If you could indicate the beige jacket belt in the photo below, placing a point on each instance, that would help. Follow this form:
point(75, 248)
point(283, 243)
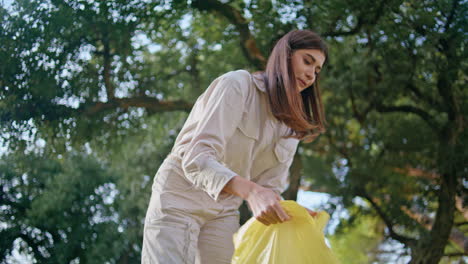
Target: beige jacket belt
point(231, 131)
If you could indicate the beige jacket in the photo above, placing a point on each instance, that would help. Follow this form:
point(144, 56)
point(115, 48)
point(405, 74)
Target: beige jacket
point(231, 131)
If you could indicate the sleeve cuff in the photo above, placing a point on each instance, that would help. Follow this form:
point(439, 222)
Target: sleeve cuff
point(212, 178)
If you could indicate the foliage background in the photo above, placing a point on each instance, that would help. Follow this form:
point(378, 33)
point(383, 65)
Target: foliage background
point(93, 94)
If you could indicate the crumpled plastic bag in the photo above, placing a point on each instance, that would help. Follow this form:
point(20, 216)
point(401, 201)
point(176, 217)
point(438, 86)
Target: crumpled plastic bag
point(299, 240)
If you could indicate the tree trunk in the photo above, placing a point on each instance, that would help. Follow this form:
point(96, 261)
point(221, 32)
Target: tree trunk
point(294, 178)
point(245, 213)
point(430, 249)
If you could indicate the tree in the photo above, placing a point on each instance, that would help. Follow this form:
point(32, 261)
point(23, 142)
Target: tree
point(112, 82)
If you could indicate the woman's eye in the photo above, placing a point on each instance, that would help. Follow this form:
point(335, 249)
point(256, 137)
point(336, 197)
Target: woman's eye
point(306, 62)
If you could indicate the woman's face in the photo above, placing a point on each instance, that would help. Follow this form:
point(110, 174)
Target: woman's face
point(306, 64)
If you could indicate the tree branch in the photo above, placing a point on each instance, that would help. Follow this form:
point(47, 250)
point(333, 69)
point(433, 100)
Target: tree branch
point(410, 86)
point(451, 15)
point(415, 90)
point(405, 240)
point(343, 151)
point(151, 104)
point(110, 90)
point(343, 33)
point(416, 172)
point(460, 254)
point(361, 21)
point(456, 235)
point(409, 109)
point(247, 41)
point(448, 74)
point(360, 116)
point(54, 112)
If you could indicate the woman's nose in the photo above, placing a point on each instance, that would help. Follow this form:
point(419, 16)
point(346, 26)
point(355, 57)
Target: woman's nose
point(310, 74)
point(310, 77)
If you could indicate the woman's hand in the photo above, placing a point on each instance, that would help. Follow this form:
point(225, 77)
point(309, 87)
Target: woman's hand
point(263, 202)
point(265, 206)
point(312, 213)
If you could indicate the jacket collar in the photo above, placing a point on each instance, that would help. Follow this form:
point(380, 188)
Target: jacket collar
point(259, 82)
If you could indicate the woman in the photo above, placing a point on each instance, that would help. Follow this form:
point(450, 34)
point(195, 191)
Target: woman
point(237, 144)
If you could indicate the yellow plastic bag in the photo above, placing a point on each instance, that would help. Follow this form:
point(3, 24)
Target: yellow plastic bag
point(299, 240)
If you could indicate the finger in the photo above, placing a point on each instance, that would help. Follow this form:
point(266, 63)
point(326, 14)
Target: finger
point(273, 218)
point(262, 220)
point(272, 215)
point(312, 213)
point(282, 215)
point(269, 217)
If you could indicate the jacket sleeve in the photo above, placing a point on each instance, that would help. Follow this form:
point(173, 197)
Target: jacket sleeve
point(219, 112)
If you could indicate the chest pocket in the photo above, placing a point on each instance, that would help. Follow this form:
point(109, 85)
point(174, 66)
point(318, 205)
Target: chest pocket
point(249, 127)
point(285, 149)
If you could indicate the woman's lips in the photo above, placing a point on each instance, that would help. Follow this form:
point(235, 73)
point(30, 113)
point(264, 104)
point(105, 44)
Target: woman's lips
point(302, 82)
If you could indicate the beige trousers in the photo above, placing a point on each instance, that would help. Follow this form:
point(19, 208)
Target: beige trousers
point(184, 224)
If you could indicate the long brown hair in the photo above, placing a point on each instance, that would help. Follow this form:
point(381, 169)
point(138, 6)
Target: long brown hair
point(302, 112)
